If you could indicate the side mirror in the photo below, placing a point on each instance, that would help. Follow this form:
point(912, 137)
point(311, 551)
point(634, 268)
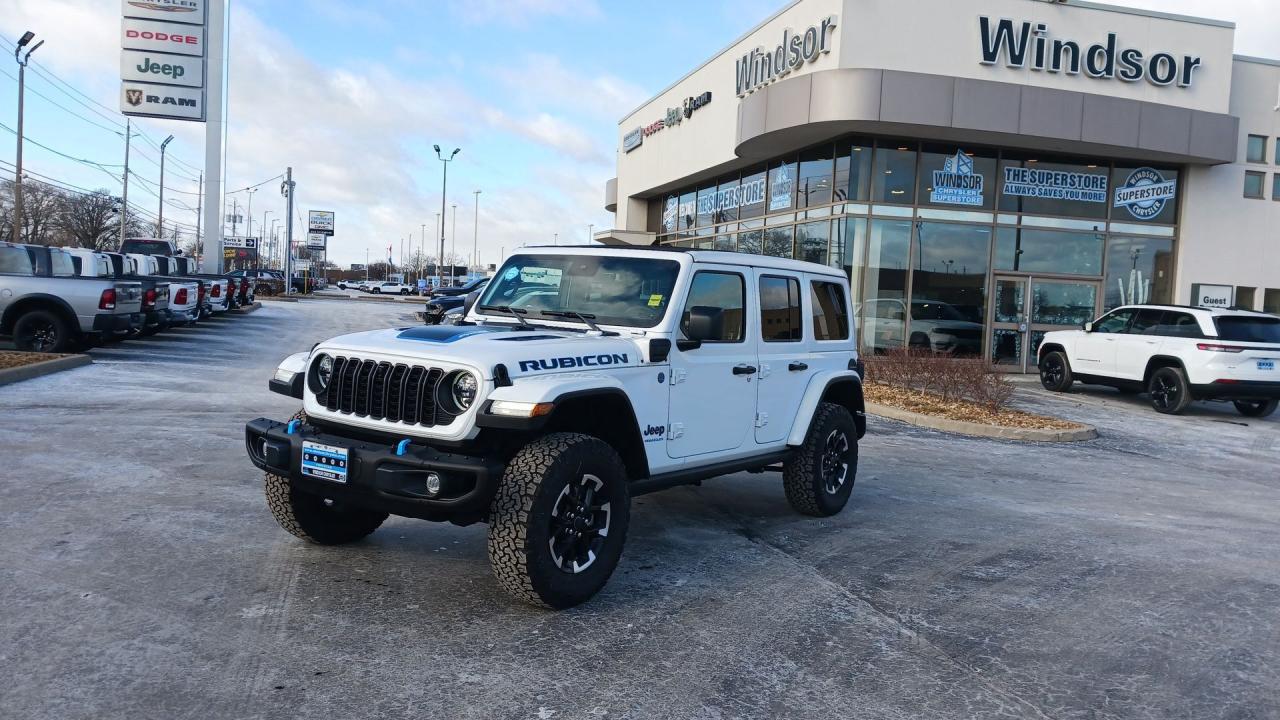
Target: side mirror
point(470, 302)
point(1088, 327)
point(699, 324)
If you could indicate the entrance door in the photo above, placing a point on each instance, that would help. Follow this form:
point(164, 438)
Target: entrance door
point(1027, 308)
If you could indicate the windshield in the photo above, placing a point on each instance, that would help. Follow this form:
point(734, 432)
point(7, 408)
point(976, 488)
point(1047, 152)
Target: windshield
point(146, 247)
point(627, 291)
point(1248, 329)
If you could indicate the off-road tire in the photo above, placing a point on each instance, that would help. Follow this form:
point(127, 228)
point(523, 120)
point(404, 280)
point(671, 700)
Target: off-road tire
point(521, 516)
point(1256, 408)
point(1055, 372)
point(42, 321)
point(312, 518)
point(1170, 392)
point(802, 474)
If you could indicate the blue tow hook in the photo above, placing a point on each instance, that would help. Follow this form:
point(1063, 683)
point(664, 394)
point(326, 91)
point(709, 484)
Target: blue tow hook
point(293, 426)
point(402, 446)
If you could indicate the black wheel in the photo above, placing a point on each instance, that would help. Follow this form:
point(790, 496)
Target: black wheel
point(315, 518)
point(1170, 393)
point(559, 520)
point(819, 477)
point(42, 331)
point(376, 291)
point(404, 292)
point(1055, 372)
point(1256, 408)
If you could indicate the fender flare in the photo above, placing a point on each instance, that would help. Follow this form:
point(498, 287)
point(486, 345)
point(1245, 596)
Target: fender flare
point(813, 394)
point(18, 307)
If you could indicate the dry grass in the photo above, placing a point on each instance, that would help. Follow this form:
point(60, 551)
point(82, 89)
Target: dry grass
point(10, 359)
point(927, 403)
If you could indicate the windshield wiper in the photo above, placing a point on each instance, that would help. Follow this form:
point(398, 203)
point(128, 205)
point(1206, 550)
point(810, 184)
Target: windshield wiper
point(587, 319)
point(513, 312)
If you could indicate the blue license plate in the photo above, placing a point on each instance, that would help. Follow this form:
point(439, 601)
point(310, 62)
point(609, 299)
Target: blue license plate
point(326, 462)
point(1266, 364)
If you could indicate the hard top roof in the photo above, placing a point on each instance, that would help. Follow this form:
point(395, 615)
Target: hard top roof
point(719, 257)
point(1195, 308)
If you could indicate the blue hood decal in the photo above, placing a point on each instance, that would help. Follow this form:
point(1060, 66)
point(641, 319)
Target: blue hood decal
point(445, 333)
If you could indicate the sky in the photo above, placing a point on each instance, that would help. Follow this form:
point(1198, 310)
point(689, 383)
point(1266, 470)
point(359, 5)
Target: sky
point(353, 95)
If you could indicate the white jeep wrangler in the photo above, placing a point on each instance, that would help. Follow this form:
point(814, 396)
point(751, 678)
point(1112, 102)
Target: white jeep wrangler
point(581, 378)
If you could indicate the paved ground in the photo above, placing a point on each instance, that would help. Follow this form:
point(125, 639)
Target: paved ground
point(1135, 576)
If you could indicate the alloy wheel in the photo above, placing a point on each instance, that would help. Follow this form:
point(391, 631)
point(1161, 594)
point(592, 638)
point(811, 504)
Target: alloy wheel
point(835, 463)
point(1164, 393)
point(579, 524)
point(42, 337)
point(1051, 372)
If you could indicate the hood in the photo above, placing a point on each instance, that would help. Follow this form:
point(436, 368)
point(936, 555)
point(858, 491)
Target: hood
point(524, 352)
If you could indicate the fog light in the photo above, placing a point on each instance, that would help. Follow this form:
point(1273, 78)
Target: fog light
point(433, 484)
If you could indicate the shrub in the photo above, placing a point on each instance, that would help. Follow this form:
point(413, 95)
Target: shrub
point(947, 377)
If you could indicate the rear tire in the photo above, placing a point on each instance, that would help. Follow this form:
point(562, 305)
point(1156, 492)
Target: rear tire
point(1256, 408)
point(42, 331)
point(819, 478)
point(1055, 372)
point(314, 518)
point(1170, 392)
point(559, 520)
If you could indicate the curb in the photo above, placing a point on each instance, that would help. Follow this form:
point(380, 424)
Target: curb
point(247, 310)
point(964, 427)
point(275, 298)
point(46, 367)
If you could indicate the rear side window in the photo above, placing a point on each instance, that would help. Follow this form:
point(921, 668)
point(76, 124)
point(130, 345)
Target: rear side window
point(830, 315)
point(1248, 329)
point(1176, 324)
point(1146, 322)
point(715, 311)
point(780, 309)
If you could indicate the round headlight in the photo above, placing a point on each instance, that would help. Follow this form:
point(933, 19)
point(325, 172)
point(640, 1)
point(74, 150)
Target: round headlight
point(324, 372)
point(465, 387)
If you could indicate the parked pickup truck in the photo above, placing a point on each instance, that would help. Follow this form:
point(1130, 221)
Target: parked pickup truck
point(184, 293)
point(263, 282)
point(216, 299)
point(47, 308)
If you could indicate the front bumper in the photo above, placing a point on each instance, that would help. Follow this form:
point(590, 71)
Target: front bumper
point(1237, 390)
point(378, 477)
point(117, 323)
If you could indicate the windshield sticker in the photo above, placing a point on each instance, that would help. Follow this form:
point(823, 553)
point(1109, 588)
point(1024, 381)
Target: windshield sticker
point(511, 273)
point(655, 300)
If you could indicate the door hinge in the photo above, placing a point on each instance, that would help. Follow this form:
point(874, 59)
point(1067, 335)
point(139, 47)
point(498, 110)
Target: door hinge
point(764, 370)
point(678, 376)
point(762, 419)
point(676, 431)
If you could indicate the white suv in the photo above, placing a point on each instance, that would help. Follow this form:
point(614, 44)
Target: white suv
point(1177, 354)
point(581, 378)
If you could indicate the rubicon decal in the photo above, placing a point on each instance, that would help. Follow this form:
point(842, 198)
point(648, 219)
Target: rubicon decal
point(578, 361)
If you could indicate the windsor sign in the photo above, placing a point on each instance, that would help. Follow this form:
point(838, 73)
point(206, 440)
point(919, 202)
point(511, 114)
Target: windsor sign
point(163, 59)
point(761, 67)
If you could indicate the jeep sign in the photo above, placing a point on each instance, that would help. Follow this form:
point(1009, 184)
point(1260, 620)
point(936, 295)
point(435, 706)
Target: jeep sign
point(148, 67)
point(162, 59)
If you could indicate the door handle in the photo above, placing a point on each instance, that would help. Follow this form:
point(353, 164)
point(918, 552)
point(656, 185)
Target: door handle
point(797, 367)
point(744, 369)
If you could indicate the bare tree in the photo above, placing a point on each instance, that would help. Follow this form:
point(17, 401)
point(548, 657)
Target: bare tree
point(91, 220)
point(41, 206)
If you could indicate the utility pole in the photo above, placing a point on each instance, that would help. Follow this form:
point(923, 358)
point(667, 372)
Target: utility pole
point(160, 216)
point(422, 247)
point(475, 238)
point(22, 91)
point(199, 199)
point(287, 189)
point(444, 191)
point(235, 215)
point(124, 197)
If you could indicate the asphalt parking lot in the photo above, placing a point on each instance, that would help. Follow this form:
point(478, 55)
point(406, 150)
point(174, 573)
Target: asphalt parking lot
point(1134, 576)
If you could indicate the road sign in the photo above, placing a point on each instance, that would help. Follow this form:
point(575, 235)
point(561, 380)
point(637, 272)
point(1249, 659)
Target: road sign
point(250, 243)
point(320, 221)
point(316, 241)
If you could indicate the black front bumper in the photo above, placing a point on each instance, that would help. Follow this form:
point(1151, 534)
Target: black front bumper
point(377, 477)
point(1239, 390)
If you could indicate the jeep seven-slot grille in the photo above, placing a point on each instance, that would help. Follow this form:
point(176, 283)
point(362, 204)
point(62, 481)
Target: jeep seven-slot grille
point(397, 393)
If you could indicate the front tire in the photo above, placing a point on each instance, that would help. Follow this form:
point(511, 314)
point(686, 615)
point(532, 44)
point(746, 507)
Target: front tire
point(818, 479)
point(559, 520)
point(1055, 372)
point(42, 331)
point(314, 518)
point(1256, 408)
point(1170, 392)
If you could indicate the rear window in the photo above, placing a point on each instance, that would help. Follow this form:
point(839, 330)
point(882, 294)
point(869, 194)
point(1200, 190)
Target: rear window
point(146, 247)
point(830, 316)
point(61, 264)
point(1248, 329)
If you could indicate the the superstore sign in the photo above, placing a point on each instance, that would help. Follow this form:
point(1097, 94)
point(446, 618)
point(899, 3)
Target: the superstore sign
point(1055, 184)
point(750, 193)
point(956, 183)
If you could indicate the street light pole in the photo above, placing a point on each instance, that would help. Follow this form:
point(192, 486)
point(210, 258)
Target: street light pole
point(475, 239)
point(22, 88)
point(453, 245)
point(249, 214)
point(262, 241)
point(160, 215)
point(444, 190)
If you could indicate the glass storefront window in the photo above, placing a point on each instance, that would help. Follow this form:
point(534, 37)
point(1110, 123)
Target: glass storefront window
point(957, 177)
point(848, 246)
point(725, 242)
point(894, 173)
point(883, 314)
point(782, 185)
point(751, 239)
point(1139, 270)
point(1048, 251)
point(1144, 194)
point(727, 199)
point(706, 205)
point(687, 211)
point(853, 170)
point(1062, 303)
point(777, 241)
point(813, 185)
point(948, 288)
point(753, 193)
point(1029, 184)
point(670, 213)
point(812, 241)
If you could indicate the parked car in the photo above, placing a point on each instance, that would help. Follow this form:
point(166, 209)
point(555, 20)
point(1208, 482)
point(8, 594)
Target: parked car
point(46, 307)
point(263, 282)
point(392, 288)
point(935, 326)
point(560, 401)
point(437, 307)
point(183, 307)
point(464, 289)
point(149, 246)
point(1176, 354)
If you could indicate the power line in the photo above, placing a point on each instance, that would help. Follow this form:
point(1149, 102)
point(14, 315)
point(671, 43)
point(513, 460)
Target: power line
point(264, 182)
point(114, 130)
point(60, 153)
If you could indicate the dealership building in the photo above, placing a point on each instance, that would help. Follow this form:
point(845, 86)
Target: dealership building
point(984, 170)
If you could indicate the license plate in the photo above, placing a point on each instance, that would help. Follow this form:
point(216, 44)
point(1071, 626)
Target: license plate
point(1266, 364)
point(326, 462)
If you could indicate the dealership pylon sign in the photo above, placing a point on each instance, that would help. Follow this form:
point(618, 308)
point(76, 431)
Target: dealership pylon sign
point(163, 59)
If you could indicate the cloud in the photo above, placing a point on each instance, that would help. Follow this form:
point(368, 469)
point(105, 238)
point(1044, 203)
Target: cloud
point(520, 12)
point(542, 79)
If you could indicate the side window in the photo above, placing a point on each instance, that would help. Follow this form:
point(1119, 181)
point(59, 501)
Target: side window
point(715, 311)
point(1176, 324)
point(1146, 322)
point(1114, 323)
point(830, 316)
point(780, 309)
